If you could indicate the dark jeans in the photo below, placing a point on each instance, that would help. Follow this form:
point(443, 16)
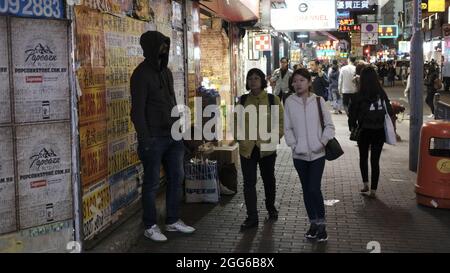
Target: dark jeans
point(310, 173)
point(170, 153)
point(373, 139)
point(267, 170)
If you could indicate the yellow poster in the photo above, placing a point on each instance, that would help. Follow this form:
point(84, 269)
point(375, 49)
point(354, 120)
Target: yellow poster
point(96, 208)
point(89, 37)
point(94, 164)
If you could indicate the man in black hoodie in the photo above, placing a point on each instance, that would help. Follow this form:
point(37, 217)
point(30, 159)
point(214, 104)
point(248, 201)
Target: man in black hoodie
point(152, 100)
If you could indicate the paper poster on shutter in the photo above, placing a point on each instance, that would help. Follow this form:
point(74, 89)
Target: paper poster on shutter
point(119, 155)
point(90, 38)
point(92, 105)
point(119, 107)
point(93, 134)
point(40, 69)
point(143, 11)
point(124, 188)
point(5, 106)
point(7, 188)
point(94, 164)
point(44, 169)
point(96, 208)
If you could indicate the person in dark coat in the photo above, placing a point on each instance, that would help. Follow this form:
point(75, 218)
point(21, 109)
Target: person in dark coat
point(152, 101)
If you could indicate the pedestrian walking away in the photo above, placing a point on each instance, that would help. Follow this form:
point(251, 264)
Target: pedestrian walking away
point(367, 114)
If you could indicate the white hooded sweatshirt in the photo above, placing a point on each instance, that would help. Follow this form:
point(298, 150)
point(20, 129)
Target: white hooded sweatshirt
point(303, 130)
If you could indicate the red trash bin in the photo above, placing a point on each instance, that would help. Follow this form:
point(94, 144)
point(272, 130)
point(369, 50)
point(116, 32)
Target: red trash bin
point(433, 175)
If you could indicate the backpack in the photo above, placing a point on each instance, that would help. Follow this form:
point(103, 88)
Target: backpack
point(374, 114)
point(271, 99)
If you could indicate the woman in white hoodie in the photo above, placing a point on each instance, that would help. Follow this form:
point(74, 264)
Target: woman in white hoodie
point(304, 134)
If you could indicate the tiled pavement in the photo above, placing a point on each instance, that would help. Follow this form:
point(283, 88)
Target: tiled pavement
point(394, 219)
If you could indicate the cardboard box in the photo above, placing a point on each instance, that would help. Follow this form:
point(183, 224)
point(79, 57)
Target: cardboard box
point(226, 154)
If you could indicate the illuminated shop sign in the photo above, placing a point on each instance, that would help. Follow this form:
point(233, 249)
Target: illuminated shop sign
point(354, 5)
point(349, 28)
point(346, 22)
point(342, 14)
point(387, 31)
point(304, 15)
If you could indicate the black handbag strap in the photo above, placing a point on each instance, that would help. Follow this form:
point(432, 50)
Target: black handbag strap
point(320, 112)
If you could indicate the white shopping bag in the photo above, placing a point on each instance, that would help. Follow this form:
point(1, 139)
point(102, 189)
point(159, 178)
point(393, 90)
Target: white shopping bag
point(202, 183)
point(389, 131)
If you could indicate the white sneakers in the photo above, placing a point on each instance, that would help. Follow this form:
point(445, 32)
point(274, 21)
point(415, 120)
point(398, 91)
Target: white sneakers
point(180, 226)
point(156, 235)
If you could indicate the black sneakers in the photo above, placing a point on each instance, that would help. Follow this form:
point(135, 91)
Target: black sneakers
point(312, 232)
point(317, 232)
point(249, 223)
point(322, 235)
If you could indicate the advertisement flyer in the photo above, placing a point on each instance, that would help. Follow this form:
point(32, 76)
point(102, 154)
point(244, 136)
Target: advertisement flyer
point(94, 164)
point(90, 38)
point(96, 208)
point(119, 107)
point(92, 105)
point(40, 70)
point(124, 188)
point(7, 188)
point(119, 155)
point(93, 134)
point(44, 170)
point(5, 106)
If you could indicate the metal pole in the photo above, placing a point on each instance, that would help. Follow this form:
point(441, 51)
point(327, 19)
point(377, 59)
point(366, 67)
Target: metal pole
point(416, 92)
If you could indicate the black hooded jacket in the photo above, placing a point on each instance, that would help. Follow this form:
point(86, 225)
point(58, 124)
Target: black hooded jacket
point(152, 92)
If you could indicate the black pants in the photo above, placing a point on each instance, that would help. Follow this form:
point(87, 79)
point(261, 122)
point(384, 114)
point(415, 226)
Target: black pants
point(283, 96)
point(346, 100)
point(267, 170)
point(372, 139)
point(446, 84)
point(429, 100)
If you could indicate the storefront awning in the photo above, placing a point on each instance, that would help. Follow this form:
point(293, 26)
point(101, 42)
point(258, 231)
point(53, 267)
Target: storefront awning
point(234, 10)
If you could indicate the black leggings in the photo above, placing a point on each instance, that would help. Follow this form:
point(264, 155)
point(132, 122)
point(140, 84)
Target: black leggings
point(373, 139)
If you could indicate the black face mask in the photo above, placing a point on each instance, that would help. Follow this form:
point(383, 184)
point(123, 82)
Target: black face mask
point(164, 58)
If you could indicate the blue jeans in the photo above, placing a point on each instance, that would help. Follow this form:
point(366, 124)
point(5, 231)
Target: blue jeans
point(153, 152)
point(310, 173)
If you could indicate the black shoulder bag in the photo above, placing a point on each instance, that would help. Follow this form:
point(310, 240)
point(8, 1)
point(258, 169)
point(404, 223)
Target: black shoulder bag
point(333, 149)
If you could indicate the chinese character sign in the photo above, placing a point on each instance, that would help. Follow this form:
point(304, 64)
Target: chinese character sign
point(352, 5)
